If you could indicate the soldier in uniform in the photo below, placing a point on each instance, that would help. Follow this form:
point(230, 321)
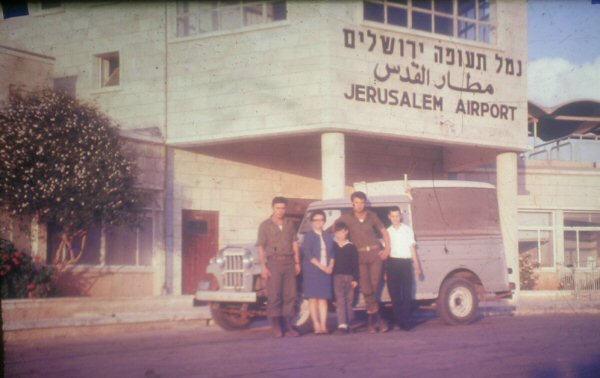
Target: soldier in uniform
point(280, 259)
point(364, 226)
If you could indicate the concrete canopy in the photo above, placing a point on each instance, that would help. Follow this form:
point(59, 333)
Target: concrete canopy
point(368, 157)
point(573, 118)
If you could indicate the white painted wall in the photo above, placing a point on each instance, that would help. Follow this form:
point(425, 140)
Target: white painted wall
point(241, 193)
point(80, 31)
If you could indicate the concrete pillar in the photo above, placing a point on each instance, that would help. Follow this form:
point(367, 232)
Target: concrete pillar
point(506, 171)
point(333, 165)
point(168, 286)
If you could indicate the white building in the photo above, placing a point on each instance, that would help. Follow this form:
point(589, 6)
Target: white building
point(255, 99)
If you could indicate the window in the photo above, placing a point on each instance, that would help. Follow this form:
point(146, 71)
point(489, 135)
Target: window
point(129, 246)
point(443, 211)
point(465, 19)
point(12, 9)
point(91, 253)
point(194, 18)
point(124, 245)
point(66, 84)
point(536, 237)
point(108, 69)
point(582, 239)
point(45, 5)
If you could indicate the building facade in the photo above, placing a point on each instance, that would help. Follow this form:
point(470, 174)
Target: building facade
point(301, 99)
point(559, 196)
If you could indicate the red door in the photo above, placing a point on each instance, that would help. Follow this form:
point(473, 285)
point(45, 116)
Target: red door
point(200, 243)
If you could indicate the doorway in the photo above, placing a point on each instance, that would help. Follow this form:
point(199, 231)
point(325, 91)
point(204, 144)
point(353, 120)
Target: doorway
point(200, 243)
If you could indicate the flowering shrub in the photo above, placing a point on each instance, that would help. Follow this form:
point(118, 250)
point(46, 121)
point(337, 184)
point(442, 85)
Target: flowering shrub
point(62, 160)
point(528, 277)
point(21, 276)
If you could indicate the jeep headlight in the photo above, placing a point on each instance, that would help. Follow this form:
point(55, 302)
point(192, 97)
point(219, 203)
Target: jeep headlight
point(220, 259)
point(248, 259)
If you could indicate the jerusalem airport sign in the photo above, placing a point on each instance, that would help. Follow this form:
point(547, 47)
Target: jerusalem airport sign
point(432, 77)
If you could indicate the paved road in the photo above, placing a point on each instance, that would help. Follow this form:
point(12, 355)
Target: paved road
point(526, 346)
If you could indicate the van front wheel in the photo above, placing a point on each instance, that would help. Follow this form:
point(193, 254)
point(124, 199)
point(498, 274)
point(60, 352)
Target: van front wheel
point(458, 302)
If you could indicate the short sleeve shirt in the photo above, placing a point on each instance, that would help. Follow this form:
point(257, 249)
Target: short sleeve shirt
point(401, 239)
point(363, 233)
point(275, 240)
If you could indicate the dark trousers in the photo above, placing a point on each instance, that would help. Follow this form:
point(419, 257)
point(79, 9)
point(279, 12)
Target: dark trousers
point(281, 288)
point(344, 298)
point(370, 268)
point(400, 286)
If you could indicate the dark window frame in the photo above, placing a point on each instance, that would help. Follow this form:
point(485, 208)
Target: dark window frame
point(471, 22)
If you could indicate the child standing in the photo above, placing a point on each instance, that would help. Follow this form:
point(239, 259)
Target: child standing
point(345, 277)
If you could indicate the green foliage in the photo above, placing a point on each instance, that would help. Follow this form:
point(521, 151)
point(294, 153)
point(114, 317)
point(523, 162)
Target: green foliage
point(61, 159)
point(21, 276)
point(528, 277)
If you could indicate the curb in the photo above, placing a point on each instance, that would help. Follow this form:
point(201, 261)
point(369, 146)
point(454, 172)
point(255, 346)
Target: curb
point(93, 323)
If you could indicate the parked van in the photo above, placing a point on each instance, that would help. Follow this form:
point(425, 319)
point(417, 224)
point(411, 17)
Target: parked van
point(459, 245)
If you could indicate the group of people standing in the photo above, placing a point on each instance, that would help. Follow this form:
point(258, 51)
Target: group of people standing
point(336, 264)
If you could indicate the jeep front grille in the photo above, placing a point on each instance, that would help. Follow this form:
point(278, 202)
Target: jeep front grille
point(233, 271)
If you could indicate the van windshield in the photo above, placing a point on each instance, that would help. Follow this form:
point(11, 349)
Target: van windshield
point(448, 211)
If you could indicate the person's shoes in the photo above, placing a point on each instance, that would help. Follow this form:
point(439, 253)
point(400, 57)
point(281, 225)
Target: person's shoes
point(382, 324)
point(289, 329)
point(276, 326)
point(371, 324)
point(342, 330)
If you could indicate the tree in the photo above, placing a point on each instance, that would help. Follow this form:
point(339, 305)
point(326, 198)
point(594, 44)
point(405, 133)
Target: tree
point(62, 161)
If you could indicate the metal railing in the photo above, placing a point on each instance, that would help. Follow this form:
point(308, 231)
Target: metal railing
point(579, 281)
point(583, 148)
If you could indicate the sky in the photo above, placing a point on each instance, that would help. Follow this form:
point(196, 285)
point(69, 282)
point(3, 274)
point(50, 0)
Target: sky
point(564, 51)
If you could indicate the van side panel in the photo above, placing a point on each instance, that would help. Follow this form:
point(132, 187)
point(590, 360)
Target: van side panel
point(458, 228)
point(481, 255)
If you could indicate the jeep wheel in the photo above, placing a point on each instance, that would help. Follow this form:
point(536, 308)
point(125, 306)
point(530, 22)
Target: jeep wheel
point(230, 316)
point(302, 321)
point(458, 302)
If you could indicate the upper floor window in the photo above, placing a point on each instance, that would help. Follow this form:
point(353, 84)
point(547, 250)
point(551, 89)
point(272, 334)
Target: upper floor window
point(195, 18)
point(108, 69)
point(45, 5)
point(66, 84)
point(15, 8)
point(465, 19)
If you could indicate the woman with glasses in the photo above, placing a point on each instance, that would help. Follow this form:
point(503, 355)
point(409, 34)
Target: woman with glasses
point(317, 265)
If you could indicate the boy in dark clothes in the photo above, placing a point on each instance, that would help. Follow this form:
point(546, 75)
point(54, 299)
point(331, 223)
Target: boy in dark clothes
point(345, 277)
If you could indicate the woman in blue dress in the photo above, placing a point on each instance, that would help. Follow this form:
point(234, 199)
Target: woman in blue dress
point(317, 264)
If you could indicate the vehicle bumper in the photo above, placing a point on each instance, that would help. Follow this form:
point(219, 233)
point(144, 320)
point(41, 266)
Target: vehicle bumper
point(225, 296)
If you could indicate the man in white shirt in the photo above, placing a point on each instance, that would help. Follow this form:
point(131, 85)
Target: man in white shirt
point(399, 268)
